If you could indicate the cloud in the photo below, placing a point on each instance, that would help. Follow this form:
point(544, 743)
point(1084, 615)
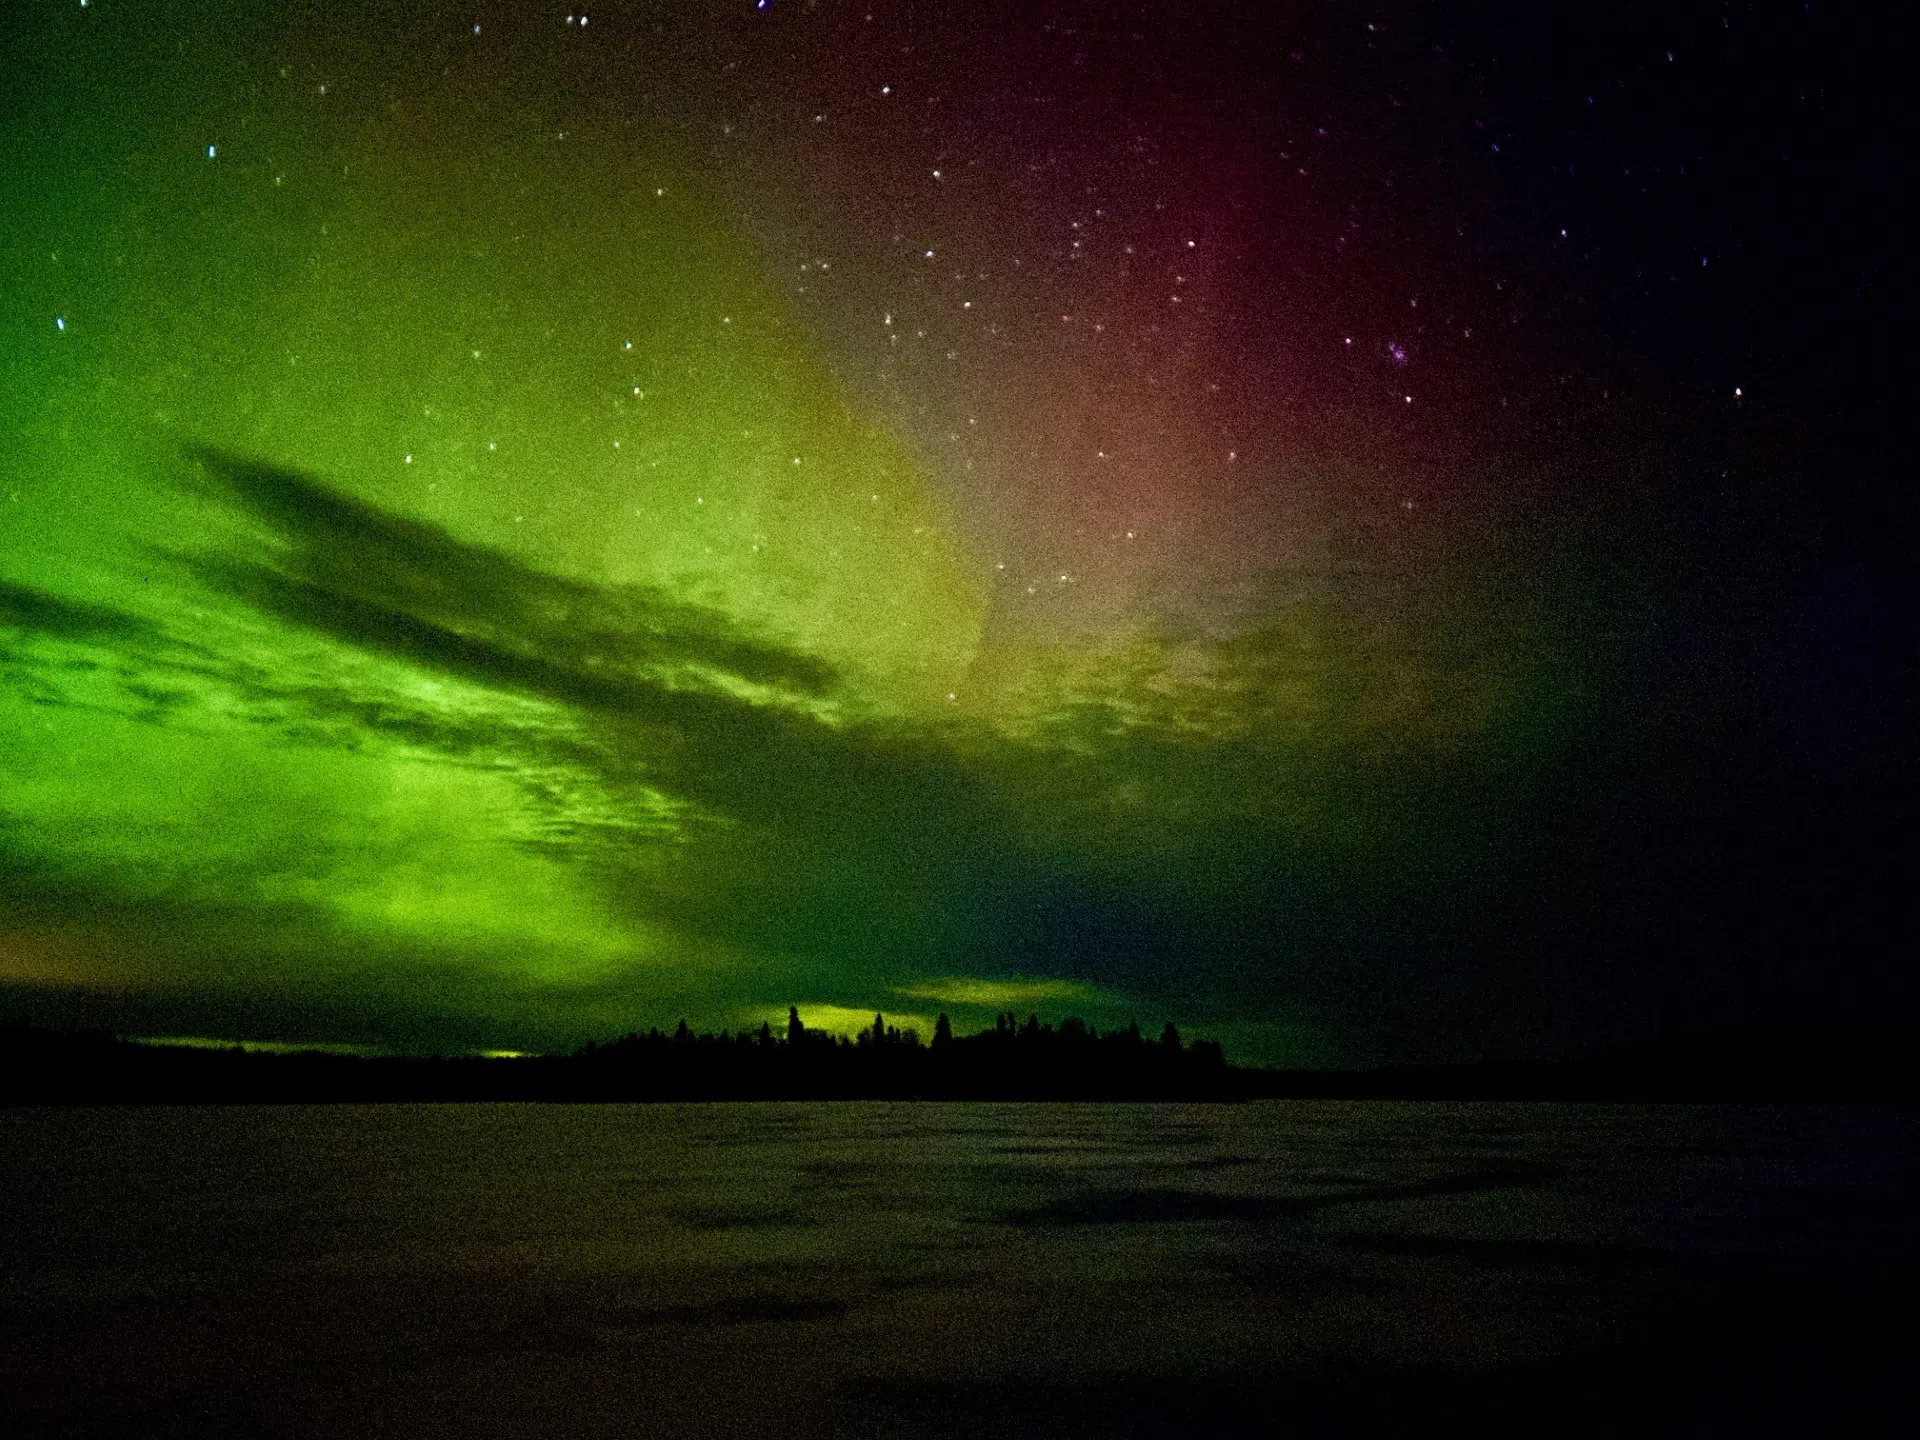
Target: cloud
point(415, 767)
point(1014, 993)
point(26, 609)
point(409, 588)
point(331, 744)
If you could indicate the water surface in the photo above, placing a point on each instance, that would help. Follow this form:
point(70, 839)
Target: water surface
point(964, 1269)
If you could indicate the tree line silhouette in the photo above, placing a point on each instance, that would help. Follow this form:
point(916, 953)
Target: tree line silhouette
point(1013, 1060)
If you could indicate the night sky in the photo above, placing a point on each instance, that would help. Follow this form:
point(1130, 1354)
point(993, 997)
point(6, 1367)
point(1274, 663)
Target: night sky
point(1373, 532)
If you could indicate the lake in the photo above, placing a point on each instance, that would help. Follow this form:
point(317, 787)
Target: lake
point(866, 1269)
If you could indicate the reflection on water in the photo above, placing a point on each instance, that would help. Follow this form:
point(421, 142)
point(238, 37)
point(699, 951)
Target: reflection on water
point(947, 1269)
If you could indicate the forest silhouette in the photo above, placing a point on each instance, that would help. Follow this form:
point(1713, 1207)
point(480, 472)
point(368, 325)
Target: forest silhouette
point(1013, 1060)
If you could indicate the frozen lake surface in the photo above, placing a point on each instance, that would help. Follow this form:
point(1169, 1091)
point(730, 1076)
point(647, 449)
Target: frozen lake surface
point(964, 1269)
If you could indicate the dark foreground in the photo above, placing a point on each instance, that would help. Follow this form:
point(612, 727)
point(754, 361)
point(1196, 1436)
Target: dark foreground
point(873, 1269)
point(1034, 1061)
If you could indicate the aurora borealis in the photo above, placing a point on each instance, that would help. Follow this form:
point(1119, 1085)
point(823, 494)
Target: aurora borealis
point(520, 524)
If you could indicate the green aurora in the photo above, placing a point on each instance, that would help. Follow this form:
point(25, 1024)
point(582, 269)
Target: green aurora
point(449, 598)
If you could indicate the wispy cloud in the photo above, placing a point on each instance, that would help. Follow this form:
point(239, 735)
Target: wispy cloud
point(406, 744)
point(1001, 994)
point(408, 588)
